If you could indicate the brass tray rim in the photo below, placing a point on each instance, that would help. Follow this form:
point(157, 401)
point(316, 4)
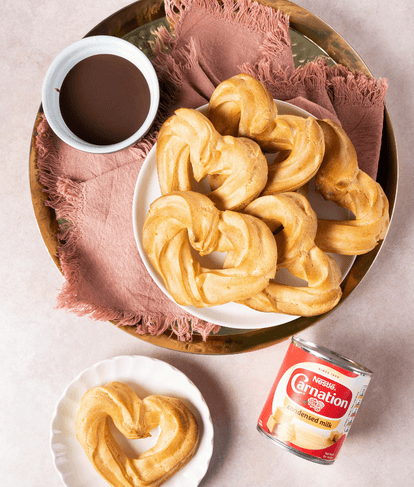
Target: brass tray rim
point(325, 37)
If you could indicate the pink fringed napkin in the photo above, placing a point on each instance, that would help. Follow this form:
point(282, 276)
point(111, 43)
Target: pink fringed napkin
point(92, 194)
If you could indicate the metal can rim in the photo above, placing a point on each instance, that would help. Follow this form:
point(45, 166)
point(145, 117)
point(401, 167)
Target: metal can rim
point(331, 356)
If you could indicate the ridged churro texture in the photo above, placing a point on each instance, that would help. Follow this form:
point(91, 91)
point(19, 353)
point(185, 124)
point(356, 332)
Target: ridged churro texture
point(135, 418)
point(339, 179)
point(188, 146)
point(297, 253)
point(242, 106)
point(181, 220)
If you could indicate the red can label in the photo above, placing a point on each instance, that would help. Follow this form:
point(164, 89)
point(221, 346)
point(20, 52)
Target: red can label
point(312, 404)
point(318, 394)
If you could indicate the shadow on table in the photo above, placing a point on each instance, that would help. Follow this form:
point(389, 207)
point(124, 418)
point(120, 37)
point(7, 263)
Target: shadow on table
point(390, 365)
point(217, 400)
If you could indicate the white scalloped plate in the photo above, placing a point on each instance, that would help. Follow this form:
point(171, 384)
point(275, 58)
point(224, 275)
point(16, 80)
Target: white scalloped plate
point(146, 376)
point(230, 315)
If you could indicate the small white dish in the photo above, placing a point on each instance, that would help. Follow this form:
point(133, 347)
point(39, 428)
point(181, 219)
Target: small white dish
point(230, 315)
point(72, 55)
point(146, 376)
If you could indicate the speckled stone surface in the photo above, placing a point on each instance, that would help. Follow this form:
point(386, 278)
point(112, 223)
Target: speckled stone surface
point(43, 349)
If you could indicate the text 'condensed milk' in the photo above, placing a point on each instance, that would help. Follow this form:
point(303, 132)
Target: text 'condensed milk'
point(313, 401)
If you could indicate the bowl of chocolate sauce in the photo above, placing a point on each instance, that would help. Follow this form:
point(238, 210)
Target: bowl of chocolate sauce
point(100, 94)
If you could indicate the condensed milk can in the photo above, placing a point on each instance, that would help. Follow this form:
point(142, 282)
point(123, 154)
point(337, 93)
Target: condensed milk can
point(313, 401)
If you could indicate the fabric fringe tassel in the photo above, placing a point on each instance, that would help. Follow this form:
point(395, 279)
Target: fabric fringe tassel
point(311, 76)
point(64, 195)
point(341, 84)
point(172, 62)
point(345, 86)
point(172, 68)
point(245, 13)
point(66, 198)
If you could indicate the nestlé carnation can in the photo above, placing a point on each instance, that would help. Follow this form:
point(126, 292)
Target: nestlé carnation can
point(313, 401)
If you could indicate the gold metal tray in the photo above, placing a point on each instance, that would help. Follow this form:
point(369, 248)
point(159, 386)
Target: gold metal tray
point(310, 38)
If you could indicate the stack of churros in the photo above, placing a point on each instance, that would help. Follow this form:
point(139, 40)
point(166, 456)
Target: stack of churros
point(257, 212)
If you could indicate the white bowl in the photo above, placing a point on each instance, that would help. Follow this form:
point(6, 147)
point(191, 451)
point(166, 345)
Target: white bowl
point(230, 315)
point(67, 59)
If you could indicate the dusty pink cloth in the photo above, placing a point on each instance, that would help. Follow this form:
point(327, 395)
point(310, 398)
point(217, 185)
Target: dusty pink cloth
point(211, 41)
point(92, 194)
point(350, 98)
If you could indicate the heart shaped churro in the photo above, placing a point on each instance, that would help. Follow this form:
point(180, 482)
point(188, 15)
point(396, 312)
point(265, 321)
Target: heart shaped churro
point(188, 143)
point(135, 418)
point(298, 254)
point(182, 220)
point(243, 107)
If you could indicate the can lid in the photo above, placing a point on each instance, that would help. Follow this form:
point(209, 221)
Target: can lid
point(331, 356)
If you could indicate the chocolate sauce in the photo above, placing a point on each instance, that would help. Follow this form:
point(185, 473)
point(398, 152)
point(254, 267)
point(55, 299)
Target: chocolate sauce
point(104, 99)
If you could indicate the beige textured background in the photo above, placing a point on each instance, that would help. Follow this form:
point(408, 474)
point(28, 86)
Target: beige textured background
point(42, 349)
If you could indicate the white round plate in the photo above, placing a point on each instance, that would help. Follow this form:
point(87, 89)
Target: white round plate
point(230, 315)
point(146, 376)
